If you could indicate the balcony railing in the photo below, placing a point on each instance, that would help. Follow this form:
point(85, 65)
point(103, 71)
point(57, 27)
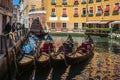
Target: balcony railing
point(90, 14)
point(64, 15)
point(76, 3)
point(106, 13)
point(83, 15)
point(83, 2)
point(53, 15)
point(90, 1)
point(115, 12)
point(76, 15)
point(98, 0)
point(98, 14)
point(64, 3)
point(53, 3)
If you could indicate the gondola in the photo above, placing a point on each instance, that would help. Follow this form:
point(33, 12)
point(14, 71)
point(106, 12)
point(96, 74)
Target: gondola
point(77, 57)
point(25, 57)
point(58, 58)
point(43, 58)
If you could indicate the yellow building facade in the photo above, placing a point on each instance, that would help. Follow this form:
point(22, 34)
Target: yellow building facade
point(73, 15)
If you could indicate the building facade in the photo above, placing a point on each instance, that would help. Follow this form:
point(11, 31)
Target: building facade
point(5, 13)
point(16, 13)
point(24, 18)
point(37, 11)
point(31, 10)
point(77, 15)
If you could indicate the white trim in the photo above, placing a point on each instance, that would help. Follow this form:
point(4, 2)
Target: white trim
point(103, 22)
point(36, 12)
point(53, 18)
point(116, 22)
point(64, 18)
point(92, 22)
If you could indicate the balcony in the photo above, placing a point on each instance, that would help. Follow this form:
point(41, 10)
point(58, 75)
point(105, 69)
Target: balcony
point(83, 15)
point(106, 14)
point(98, 14)
point(83, 2)
point(53, 15)
point(64, 15)
point(90, 1)
point(76, 15)
point(76, 3)
point(53, 3)
point(90, 14)
point(98, 0)
point(115, 12)
point(65, 3)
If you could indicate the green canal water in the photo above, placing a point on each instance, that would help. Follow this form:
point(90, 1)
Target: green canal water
point(103, 45)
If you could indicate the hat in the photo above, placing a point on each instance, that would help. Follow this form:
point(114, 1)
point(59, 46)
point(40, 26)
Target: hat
point(49, 38)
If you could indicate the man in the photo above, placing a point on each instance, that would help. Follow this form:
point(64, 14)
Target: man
point(68, 46)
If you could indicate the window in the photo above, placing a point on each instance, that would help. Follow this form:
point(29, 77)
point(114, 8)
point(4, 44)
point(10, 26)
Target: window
point(99, 9)
point(32, 7)
point(53, 14)
point(64, 2)
point(116, 9)
point(64, 12)
point(91, 10)
point(64, 25)
point(84, 11)
point(75, 26)
point(107, 9)
point(52, 25)
point(76, 2)
point(53, 2)
point(75, 12)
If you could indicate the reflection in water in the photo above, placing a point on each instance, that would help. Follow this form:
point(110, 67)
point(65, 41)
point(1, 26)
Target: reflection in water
point(102, 44)
point(103, 65)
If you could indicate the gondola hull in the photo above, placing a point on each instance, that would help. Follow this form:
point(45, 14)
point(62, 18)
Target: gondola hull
point(57, 61)
point(25, 64)
point(78, 57)
point(43, 61)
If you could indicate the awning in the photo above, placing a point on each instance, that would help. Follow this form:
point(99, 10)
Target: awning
point(92, 22)
point(116, 8)
point(116, 22)
point(103, 22)
point(107, 8)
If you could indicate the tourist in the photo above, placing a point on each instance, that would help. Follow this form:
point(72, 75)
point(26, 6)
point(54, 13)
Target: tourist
point(68, 46)
point(13, 27)
point(7, 28)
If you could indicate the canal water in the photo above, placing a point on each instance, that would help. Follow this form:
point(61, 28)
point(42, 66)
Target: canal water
point(104, 65)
